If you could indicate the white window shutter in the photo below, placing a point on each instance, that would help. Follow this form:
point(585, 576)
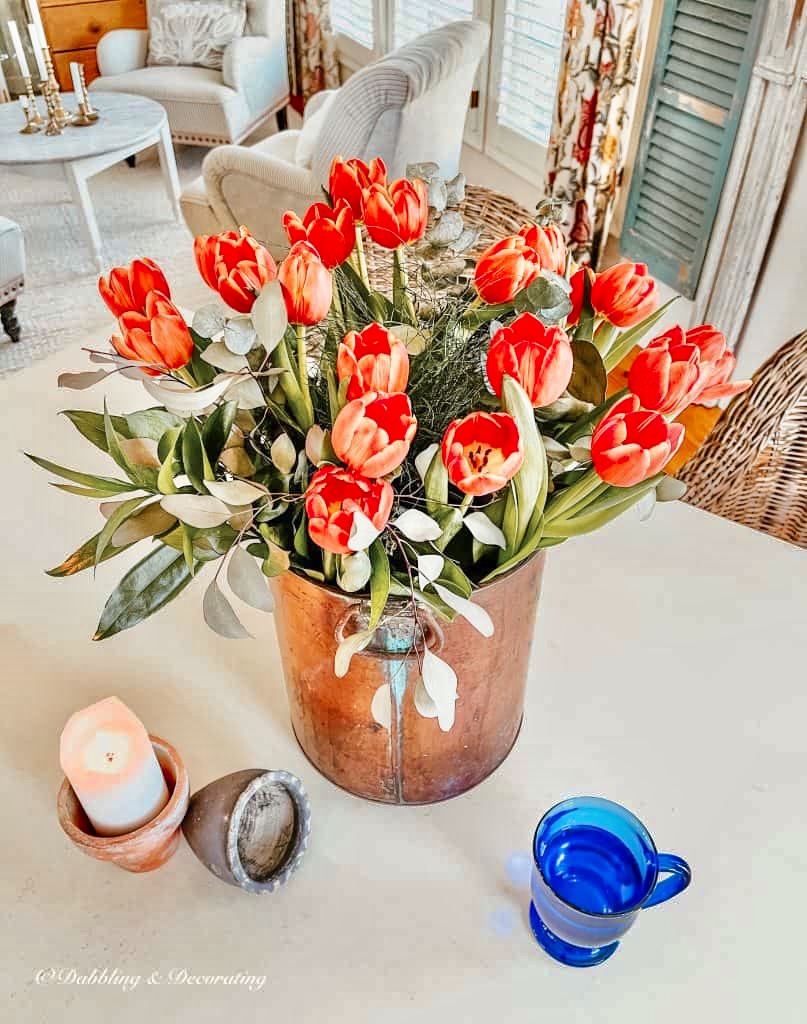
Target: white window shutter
point(354, 20)
point(414, 17)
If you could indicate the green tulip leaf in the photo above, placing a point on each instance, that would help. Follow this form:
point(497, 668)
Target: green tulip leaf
point(379, 582)
point(194, 458)
point(525, 502)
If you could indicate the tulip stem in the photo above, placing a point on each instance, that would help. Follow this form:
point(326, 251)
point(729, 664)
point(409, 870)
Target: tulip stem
point(570, 497)
point(401, 300)
point(329, 566)
point(184, 374)
point(302, 362)
point(360, 257)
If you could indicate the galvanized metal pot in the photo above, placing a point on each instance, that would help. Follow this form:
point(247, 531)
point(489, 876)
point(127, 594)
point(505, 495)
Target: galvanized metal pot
point(412, 761)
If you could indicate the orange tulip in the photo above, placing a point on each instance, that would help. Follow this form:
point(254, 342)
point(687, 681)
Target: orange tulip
point(331, 230)
point(396, 215)
point(372, 434)
point(125, 288)
point(505, 268)
point(159, 336)
point(482, 452)
point(307, 286)
point(235, 265)
point(625, 294)
point(631, 444)
point(549, 244)
point(539, 358)
point(681, 367)
point(332, 499)
point(374, 360)
point(349, 180)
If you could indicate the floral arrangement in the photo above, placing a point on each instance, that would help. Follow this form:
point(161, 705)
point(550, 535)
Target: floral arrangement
point(406, 446)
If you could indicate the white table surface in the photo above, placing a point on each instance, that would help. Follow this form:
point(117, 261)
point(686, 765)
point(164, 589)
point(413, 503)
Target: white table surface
point(125, 120)
point(668, 674)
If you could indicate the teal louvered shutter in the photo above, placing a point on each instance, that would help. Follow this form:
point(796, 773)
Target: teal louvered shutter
point(703, 65)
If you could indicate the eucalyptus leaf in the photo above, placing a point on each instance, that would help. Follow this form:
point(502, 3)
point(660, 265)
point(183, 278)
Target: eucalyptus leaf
point(209, 320)
point(473, 613)
point(236, 492)
point(194, 458)
point(347, 648)
point(82, 381)
point(200, 510)
point(429, 569)
point(362, 532)
point(143, 476)
point(148, 586)
point(424, 458)
point(240, 335)
point(217, 430)
point(670, 489)
point(440, 682)
point(269, 316)
point(247, 581)
point(483, 530)
point(140, 451)
point(151, 423)
point(219, 614)
point(353, 572)
point(118, 517)
point(148, 522)
point(219, 356)
point(277, 560)
point(185, 401)
point(417, 526)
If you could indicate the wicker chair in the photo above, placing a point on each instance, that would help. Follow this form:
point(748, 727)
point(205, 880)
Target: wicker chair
point(753, 467)
point(496, 214)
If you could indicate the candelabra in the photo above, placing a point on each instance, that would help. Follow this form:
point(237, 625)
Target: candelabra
point(33, 119)
point(52, 88)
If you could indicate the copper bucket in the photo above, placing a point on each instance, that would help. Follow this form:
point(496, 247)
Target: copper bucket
point(412, 761)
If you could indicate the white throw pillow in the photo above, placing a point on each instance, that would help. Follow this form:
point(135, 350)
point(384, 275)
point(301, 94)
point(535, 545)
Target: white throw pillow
point(193, 33)
point(312, 126)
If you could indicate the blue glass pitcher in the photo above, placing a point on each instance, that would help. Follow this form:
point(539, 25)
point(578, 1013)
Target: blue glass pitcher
point(595, 867)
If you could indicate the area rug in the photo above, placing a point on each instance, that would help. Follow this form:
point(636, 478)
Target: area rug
point(60, 306)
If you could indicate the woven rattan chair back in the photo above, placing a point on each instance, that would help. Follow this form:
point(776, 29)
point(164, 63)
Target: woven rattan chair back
point(753, 466)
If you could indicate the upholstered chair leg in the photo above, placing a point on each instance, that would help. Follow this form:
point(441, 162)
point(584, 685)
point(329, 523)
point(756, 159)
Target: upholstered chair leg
point(8, 316)
point(131, 161)
point(282, 118)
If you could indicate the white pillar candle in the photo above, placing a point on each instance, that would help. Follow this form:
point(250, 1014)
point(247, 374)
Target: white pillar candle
point(109, 761)
point(75, 77)
point(36, 18)
point(19, 53)
point(38, 43)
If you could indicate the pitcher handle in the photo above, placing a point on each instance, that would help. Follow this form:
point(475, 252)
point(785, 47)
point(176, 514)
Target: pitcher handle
point(679, 875)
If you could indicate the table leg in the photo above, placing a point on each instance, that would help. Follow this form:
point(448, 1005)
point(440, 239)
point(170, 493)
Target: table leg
point(169, 168)
point(81, 195)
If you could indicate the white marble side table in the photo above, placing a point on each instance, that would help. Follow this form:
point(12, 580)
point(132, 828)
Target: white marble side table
point(128, 125)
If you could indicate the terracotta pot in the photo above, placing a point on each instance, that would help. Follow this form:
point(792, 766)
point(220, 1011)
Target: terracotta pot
point(412, 761)
point(149, 846)
point(250, 828)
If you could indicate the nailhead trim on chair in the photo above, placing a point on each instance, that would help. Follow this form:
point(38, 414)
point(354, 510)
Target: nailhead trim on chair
point(219, 140)
point(10, 289)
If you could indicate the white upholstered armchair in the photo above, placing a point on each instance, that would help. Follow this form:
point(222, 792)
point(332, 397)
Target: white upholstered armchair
point(406, 107)
point(207, 107)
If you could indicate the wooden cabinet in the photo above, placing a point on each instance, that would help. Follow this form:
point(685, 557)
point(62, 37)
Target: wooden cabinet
point(74, 27)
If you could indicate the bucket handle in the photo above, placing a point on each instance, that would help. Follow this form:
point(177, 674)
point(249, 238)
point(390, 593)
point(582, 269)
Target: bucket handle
point(349, 623)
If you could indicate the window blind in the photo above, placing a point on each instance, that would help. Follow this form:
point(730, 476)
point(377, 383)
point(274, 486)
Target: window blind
point(354, 19)
point(414, 17)
point(532, 35)
point(702, 69)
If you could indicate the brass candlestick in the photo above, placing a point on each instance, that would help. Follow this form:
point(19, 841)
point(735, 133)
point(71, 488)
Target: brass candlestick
point(53, 89)
point(82, 118)
point(54, 126)
point(90, 112)
point(33, 121)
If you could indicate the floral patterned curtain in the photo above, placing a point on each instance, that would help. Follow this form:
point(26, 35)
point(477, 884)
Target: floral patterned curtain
point(312, 47)
point(585, 162)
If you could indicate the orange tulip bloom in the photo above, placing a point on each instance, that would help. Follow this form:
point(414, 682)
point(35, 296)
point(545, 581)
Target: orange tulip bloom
point(682, 367)
point(372, 434)
point(331, 230)
point(505, 268)
point(126, 288)
point(307, 286)
point(159, 336)
point(577, 281)
point(549, 244)
point(332, 499)
point(539, 358)
point(235, 265)
point(482, 452)
point(349, 180)
point(396, 215)
point(625, 294)
point(631, 444)
point(374, 360)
